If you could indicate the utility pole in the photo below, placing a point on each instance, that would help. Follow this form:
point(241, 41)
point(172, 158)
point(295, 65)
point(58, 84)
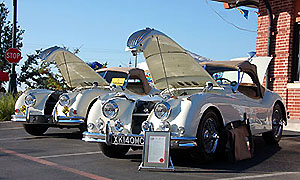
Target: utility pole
point(12, 86)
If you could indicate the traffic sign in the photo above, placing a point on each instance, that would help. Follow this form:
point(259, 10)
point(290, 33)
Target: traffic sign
point(13, 55)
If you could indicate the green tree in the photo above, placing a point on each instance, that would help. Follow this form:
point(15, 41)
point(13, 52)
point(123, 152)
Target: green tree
point(6, 37)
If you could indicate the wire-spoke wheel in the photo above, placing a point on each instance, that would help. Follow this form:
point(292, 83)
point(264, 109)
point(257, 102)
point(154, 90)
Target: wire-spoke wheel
point(274, 136)
point(208, 136)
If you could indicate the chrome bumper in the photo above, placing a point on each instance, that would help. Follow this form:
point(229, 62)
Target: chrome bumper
point(176, 142)
point(18, 118)
point(70, 120)
point(61, 120)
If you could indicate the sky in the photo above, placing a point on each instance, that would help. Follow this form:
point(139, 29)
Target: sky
point(101, 28)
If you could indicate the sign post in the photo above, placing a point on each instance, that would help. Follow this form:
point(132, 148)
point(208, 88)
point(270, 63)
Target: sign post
point(12, 85)
point(13, 56)
point(156, 151)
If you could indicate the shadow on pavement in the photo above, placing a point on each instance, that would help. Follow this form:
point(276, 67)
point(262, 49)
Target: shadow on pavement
point(262, 152)
point(69, 135)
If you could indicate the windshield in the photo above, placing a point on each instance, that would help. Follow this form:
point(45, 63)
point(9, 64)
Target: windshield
point(110, 76)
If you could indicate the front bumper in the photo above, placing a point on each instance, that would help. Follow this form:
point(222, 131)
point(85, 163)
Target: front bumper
point(176, 141)
point(18, 118)
point(70, 120)
point(48, 119)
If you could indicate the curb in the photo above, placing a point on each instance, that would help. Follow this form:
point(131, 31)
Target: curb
point(292, 125)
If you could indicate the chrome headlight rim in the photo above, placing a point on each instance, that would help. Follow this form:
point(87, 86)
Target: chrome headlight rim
point(165, 126)
point(119, 125)
point(166, 114)
point(64, 100)
point(147, 126)
point(115, 111)
point(30, 100)
point(100, 124)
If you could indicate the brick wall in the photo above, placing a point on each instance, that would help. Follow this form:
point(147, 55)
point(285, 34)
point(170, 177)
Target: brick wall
point(294, 102)
point(282, 50)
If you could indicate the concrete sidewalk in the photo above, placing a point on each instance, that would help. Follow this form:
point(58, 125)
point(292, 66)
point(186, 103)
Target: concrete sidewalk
point(292, 125)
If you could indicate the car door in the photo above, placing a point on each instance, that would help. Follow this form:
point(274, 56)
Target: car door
point(251, 100)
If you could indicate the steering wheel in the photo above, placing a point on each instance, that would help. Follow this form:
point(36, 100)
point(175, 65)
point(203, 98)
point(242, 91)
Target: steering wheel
point(221, 79)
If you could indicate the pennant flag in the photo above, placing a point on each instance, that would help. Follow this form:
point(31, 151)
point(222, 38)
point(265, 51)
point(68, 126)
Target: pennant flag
point(243, 12)
point(240, 10)
point(96, 65)
point(258, 14)
point(246, 13)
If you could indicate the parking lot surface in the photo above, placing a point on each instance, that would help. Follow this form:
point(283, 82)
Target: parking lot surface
point(61, 154)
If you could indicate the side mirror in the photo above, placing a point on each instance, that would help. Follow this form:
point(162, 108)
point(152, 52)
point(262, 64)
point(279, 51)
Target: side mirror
point(234, 86)
point(209, 86)
point(112, 87)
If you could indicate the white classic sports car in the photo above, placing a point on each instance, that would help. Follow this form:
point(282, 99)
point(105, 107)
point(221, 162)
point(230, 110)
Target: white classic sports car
point(41, 101)
point(40, 109)
point(73, 107)
point(199, 100)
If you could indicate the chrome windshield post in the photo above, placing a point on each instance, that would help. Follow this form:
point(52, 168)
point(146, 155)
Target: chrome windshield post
point(107, 134)
point(234, 88)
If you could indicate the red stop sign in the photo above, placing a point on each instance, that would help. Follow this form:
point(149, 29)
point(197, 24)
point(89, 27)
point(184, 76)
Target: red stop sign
point(13, 55)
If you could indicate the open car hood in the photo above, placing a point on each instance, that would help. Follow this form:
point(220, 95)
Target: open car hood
point(169, 63)
point(74, 70)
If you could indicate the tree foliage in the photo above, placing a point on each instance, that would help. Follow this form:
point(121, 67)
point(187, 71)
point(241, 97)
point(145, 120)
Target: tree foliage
point(36, 73)
point(6, 28)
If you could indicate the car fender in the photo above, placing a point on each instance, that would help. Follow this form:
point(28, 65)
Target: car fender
point(41, 96)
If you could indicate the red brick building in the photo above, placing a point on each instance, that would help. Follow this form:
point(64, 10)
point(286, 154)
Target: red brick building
point(284, 70)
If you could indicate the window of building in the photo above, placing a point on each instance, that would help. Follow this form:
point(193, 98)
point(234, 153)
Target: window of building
point(296, 54)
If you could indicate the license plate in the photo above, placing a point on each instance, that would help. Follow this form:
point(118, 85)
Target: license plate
point(128, 140)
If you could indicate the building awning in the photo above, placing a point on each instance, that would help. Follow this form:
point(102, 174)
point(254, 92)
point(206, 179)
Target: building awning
point(236, 3)
point(3, 76)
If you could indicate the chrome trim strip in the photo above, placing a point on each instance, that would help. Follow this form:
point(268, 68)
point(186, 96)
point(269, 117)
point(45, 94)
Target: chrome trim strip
point(70, 121)
point(59, 118)
point(176, 141)
point(187, 145)
point(18, 118)
point(89, 139)
point(140, 114)
point(183, 138)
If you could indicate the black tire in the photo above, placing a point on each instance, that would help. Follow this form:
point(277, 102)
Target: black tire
point(208, 138)
point(113, 151)
point(83, 127)
point(274, 136)
point(35, 129)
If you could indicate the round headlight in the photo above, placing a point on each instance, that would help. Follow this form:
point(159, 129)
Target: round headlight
point(119, 125)
point(162, 110)
point(110, 109)
point(64, 100)
point(30, 100)
point(100, 124)
point(181, 131)
point(147, 126)
point(90, 126)
point(165, 126)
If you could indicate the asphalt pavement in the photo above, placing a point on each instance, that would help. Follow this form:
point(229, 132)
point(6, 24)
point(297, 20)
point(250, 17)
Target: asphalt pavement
point(61, 154)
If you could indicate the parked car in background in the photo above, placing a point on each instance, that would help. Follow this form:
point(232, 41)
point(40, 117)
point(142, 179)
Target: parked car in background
point(40, 101)
point(199, 100)
point(40, 109)
point(73, 107)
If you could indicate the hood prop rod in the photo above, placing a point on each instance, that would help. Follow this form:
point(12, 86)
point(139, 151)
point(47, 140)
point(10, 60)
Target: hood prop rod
point(163, 64)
